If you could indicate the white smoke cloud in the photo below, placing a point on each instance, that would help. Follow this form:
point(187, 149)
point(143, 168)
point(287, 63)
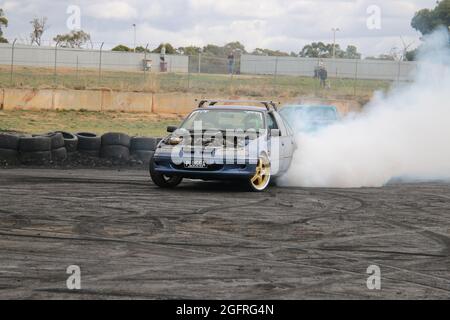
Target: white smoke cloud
point(403, 134)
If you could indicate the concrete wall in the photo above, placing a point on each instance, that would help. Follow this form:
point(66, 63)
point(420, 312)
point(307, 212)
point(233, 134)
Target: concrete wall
point(96, 100)
point(111, 60)
point(73, 100)
point(27, 99)
point(106, 100)
point(127, 101)
point(340, 68)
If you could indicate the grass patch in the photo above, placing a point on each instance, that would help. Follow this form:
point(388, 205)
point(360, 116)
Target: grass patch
point(139, 124)
point(209, 84)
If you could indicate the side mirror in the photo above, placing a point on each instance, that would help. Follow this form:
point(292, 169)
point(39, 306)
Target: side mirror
point(275, 133)
point(171, 129)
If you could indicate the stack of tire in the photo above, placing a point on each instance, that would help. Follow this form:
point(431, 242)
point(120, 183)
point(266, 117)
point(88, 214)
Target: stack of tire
point(115, 146)
point(42, 149)
point(70, 141)
point(89, 144)
point(9, 145)
point(35, 149)
point(58, 146)
point(143, 148)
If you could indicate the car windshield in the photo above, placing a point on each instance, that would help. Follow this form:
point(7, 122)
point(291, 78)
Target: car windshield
point(310, 113)
point(226, 120)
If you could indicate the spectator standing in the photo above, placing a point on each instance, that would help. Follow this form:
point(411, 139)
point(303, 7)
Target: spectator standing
point(323, 75)
point(231, 63)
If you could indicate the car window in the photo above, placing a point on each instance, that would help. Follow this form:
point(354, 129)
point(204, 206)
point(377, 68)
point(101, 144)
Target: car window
point(281, 125)
point(225, 120)
point(271, 123)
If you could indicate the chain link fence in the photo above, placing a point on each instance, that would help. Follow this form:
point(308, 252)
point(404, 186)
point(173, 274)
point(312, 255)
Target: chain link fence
point(24, 66)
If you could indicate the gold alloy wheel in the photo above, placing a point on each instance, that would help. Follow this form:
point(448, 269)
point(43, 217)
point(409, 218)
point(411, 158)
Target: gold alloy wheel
point(261, 179)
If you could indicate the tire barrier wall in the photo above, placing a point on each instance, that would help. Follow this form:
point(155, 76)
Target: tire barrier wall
point(56, 147)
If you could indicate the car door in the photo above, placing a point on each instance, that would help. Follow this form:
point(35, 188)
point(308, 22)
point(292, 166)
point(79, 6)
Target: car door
point(275, 122)
point(287, 141)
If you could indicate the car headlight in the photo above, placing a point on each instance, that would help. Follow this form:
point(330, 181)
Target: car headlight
point(173, 141)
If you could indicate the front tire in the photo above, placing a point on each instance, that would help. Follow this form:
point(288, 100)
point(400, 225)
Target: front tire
point(261, 180)
point(162, 180)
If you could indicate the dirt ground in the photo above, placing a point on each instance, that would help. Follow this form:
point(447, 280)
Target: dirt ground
point(213, 240)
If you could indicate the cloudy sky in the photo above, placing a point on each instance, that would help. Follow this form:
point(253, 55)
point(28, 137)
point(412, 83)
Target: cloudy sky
point(276, 24)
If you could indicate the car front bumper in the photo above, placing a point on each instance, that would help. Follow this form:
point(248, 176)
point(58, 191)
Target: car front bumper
point(228, 171)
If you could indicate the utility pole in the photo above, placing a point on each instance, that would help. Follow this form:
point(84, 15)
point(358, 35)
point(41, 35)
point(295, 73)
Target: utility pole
point(334, 41)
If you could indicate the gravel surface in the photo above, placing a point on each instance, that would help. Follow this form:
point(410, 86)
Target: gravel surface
point(214, 240)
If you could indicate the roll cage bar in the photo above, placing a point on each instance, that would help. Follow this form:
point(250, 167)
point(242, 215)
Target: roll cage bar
point(270, 105)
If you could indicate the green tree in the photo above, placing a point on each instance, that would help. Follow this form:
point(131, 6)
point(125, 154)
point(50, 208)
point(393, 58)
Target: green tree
point(39, 27)
point(190, 50)
point(325, 50)
point(320, 50)
point(234, 46)
point(169, 48)
point(121, 48)
point(352, 53)
point(411, 55)
point(3, 24)
point(213, 50)
point(141, 49)
point(73, 39)
point(426, 21)
point(268, 52)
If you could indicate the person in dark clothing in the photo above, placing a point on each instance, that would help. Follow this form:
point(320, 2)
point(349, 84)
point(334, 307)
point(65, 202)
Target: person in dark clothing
point(230, 63)
point(323, 76)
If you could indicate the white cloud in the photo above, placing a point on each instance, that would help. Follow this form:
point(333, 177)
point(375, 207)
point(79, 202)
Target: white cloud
point(115, 10)
point(277, 24)
point(9, 5)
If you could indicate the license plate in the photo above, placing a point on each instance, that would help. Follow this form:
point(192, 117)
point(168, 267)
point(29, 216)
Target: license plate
point(195, 164)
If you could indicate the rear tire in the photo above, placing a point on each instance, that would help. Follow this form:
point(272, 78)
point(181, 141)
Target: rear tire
point(161, 180)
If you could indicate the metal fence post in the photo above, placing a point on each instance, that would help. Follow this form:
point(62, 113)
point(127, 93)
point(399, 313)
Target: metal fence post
point(199, 62)
point(100, 65)
point(275, 74)
point(76, 77)
point(356, 77)
point(188, 79)
point(12, 61)
point(145, 63)
point(54, 67)
point(231, 76)
point(189, 72)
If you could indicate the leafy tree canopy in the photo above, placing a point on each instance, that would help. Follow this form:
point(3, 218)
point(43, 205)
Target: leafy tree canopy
point(3, 24)
point(325, 50)
point(426, 21)
point(169, 48)
point(122, 48)
point(73, 39)
point(268, 52)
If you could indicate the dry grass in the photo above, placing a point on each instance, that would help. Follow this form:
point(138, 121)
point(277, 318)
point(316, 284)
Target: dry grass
point(211, 84)
point(140, 124)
